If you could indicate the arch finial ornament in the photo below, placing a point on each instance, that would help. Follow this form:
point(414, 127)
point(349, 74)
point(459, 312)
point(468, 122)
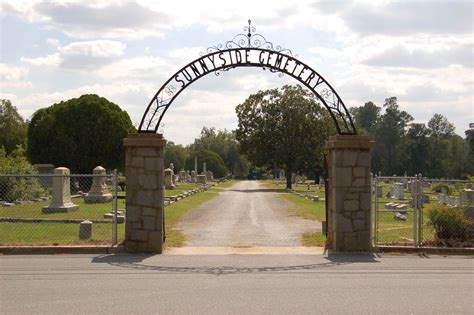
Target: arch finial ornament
point(246, 50)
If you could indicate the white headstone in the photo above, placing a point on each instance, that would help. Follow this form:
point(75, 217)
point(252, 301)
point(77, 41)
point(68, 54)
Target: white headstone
point(398, 191)
point(442, 199)
point(61, 201)
point(169, 179)
point(99, 193)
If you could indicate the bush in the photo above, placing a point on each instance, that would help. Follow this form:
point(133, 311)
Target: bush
point(18, 188)
point(214, 162)
point(449, 223)
point(439, 186)
point(80, 134)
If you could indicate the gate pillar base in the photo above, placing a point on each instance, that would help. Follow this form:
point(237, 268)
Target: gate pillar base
point(349, 193)
point(144, 161)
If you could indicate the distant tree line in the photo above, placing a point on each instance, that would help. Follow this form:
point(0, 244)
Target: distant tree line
point(278, 129)
point(405, 147)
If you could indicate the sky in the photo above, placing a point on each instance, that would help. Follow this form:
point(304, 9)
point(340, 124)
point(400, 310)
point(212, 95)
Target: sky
point(419, 51)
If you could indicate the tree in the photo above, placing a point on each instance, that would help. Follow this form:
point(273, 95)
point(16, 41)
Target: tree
point(470, 142)
point(80, 133)
point(224, 143)
point(13, 128)
point(366, 117)
point(440, 132)
point(214, 162)
point(176, 154)
point(389, 134)
point(283, 128)
point(416, 147)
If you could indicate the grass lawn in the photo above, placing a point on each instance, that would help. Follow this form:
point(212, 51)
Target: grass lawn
point(50, 233)
point(304, 208)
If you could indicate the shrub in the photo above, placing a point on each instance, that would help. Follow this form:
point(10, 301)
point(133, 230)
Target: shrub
point(449, 223)
point(18, 188)
point(439, 186)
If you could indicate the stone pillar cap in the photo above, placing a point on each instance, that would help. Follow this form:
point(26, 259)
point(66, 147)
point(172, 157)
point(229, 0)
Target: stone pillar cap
point(99, 168)
point(61, 170)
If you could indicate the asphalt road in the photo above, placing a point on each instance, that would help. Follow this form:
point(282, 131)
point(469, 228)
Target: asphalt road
point(235, 284)
point(247, 214)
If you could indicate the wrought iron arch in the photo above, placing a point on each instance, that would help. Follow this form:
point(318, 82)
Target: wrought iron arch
point(246, 50)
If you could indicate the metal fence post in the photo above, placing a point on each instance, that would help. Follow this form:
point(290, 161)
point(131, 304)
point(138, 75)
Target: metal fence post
point(376, 206)
point(420, 209)
point(114, 209)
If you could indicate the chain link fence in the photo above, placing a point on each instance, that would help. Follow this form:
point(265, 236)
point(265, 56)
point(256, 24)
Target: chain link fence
point(420, 211)
point(64, 209)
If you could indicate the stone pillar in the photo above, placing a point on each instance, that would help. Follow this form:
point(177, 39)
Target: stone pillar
point(204, 170)
point(61, 201)
point(99, 192)
point(349, 193)
point(144, 163)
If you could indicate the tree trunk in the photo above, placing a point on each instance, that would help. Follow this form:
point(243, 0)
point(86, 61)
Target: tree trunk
point(288, 177)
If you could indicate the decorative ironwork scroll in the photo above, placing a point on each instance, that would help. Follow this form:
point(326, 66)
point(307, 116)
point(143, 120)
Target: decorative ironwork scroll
point(246, 50)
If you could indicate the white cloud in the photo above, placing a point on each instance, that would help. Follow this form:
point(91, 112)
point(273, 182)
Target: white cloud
point(400, 56)
point(14, 77)
point(81, 55)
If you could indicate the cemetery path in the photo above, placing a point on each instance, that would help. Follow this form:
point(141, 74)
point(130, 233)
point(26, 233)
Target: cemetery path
point(246, 214)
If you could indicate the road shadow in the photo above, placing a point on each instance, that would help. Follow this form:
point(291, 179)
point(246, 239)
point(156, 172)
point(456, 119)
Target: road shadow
point(135, 262)
point(356, 258)
point(265, 190)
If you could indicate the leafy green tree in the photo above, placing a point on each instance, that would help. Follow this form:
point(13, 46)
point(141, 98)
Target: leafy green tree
point(13, 128)
point(214, 162)
point(416, 147)
point(470, 159)
point(17, 188)
point(224, 143)
point(80, 133)
point(283, 128)
point(389, 135)
point(440, 131)
point(176, 154)
point(366, 117)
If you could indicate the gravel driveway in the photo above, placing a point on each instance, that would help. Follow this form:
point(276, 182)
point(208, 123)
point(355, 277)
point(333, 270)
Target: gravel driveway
point(247, 214)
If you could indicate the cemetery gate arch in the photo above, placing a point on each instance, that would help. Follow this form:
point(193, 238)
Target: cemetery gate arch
point(348, 157)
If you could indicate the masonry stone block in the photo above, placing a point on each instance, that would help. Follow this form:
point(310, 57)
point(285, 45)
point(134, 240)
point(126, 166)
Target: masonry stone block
point(359, 182)
point(351, 205)
point(349, 158)
point(148, 223)
point(359, 225)
point(365, 201)
point(360, 171)
point(343, 224)
point(151, 164)
point(364, 159)
point(138, 235)
point(343, 177)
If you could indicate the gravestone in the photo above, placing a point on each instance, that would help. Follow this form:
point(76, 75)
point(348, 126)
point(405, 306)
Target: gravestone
point(169, 179)
point(452, 201)
point(85, 230)
point(469, 196)
point(442, 199)
point(99, 193)
point(61, 201)
point(204, 170)
point(193, 177)
point(378, 191)
point(398, 191)
point(188, 176)
point(281, 175)
point(201, 179)
point(182, 176)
